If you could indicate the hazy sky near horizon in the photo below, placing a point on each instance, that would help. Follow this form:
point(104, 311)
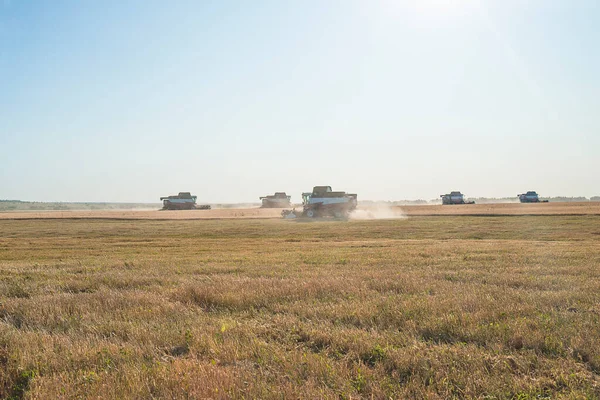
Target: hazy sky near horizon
point(132, 100)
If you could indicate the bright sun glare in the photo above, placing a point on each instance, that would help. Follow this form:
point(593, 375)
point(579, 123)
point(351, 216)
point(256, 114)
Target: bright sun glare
point(430, 8)
point(436, 4)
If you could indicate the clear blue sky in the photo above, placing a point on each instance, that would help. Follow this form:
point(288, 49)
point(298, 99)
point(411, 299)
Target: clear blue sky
point(132, 100)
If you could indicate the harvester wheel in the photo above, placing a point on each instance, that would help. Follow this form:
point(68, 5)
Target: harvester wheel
point(310, 213)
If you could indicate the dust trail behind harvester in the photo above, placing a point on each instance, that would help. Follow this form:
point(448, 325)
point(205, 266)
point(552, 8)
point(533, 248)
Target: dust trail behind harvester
point(378, 211)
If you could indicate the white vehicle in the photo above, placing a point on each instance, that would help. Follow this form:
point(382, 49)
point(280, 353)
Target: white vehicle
point(323, 202)
point(183, 201)
point(455, 198)
point(278, 200)
point(530, 197)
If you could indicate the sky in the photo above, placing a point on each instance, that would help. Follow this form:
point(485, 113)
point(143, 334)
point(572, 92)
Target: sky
point(130, 100)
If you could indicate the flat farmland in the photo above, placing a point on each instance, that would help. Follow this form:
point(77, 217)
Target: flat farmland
point(558, 208)
point(471, 306)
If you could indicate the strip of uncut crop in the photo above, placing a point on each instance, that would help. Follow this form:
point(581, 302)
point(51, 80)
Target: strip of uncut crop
point(431, 307)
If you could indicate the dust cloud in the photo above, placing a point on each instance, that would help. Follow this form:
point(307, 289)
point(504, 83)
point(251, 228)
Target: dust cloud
point(496, 201)
point(381, 211)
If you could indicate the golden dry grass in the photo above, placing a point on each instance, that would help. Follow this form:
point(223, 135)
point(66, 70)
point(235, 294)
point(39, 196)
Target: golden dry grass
point(429, 307)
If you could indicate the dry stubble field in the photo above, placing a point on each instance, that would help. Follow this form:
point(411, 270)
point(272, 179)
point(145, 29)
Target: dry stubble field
point(424, 307)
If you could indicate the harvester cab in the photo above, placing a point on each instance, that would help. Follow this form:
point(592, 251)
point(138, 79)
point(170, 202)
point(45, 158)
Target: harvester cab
point(318, 192)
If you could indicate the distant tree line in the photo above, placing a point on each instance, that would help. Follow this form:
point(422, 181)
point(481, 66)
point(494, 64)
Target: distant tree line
point(481, 200)
point(553, 199)
point(19, 205)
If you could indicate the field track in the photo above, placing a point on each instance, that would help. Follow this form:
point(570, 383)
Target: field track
point(579, 208)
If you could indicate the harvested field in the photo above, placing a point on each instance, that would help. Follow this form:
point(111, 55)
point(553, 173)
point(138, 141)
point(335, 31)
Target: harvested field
point(579, 208)
point(558, 208)
point(219, 213)
point(430, 307)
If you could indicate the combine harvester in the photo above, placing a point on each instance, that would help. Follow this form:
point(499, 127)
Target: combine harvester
point(323, 202)
point(530, 197)
point(455, 198)
point(183, 201)
point(278, 200)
